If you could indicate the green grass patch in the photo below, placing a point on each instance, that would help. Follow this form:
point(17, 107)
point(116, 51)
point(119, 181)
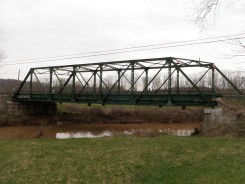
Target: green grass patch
point(123, 159)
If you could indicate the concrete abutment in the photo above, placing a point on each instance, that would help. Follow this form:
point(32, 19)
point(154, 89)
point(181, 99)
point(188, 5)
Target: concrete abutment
point(214, 118)
point(32, 108)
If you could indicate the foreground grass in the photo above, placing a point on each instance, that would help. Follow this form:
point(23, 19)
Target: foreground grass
point(123, 159)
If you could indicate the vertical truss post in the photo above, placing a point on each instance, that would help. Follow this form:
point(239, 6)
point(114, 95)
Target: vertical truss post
point(73, 83)
point(169, 81)
point(146, 80)
point(213, 78)
point(169, 78)
point(31, 74)
point(118, 81)
point(50, 83)
point(177, 80)
point(95, 72)
point(101, 80)
point(132, 78)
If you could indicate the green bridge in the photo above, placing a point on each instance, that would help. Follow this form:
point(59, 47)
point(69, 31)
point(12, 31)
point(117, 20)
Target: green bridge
point(155, 81)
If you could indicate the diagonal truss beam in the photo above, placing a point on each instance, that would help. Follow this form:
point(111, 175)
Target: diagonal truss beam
point(78, 85)
point(237, 90)
point(193, 84)
point(164, 82)
point(65, 84)
point(199, 80)
point(120, 76)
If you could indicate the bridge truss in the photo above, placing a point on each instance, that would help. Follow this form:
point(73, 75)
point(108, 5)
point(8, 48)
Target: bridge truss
point(154, 81)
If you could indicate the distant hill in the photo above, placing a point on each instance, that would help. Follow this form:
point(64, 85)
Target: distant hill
point(8, 85)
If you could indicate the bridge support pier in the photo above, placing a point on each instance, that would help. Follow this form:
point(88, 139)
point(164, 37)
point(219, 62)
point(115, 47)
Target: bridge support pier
point(211, 119)
point(214, 118)
point(32, 108)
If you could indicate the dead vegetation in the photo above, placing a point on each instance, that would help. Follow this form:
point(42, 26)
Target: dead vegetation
point(125, 115)
point(74, 113)
point(234, 129)
point(232, 108)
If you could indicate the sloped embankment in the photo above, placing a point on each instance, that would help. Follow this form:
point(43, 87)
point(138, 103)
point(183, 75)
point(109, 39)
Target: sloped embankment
point(124, 115)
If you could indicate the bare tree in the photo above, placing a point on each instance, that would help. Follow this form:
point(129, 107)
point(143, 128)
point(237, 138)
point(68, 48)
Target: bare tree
point(109, 80)
point(205, 9)
point(156, 83)
point(205, 13)
point(238, 49)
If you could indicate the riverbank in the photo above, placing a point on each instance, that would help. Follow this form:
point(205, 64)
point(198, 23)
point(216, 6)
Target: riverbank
point(77, 113)
point(76, 118)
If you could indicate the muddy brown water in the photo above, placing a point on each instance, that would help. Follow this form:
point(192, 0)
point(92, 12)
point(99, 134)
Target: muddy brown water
point(16, 132)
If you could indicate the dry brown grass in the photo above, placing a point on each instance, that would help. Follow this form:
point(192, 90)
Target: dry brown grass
point(124, 115)
point(115, 114)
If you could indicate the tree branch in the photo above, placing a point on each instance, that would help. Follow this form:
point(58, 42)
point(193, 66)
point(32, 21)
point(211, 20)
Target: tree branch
point(238, 50)
point(203, 10)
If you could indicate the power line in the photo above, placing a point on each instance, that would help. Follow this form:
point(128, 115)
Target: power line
point(126, 50)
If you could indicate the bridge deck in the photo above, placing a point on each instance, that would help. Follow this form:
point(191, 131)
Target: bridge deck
point(125, 99)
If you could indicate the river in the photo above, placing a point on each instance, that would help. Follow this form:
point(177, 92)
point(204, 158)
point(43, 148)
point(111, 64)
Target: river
point(69, 130)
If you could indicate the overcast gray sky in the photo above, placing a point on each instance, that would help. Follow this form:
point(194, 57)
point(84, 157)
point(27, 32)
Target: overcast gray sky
point(46, 28)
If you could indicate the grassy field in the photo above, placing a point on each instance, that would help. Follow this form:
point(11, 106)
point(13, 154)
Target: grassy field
point(124, 159)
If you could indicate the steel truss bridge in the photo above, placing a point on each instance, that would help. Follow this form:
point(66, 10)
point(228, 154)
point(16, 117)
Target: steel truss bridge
point(154, 81)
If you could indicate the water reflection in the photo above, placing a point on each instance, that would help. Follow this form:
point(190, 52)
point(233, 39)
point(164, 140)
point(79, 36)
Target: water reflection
point(82, 135)
point(144, 132)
